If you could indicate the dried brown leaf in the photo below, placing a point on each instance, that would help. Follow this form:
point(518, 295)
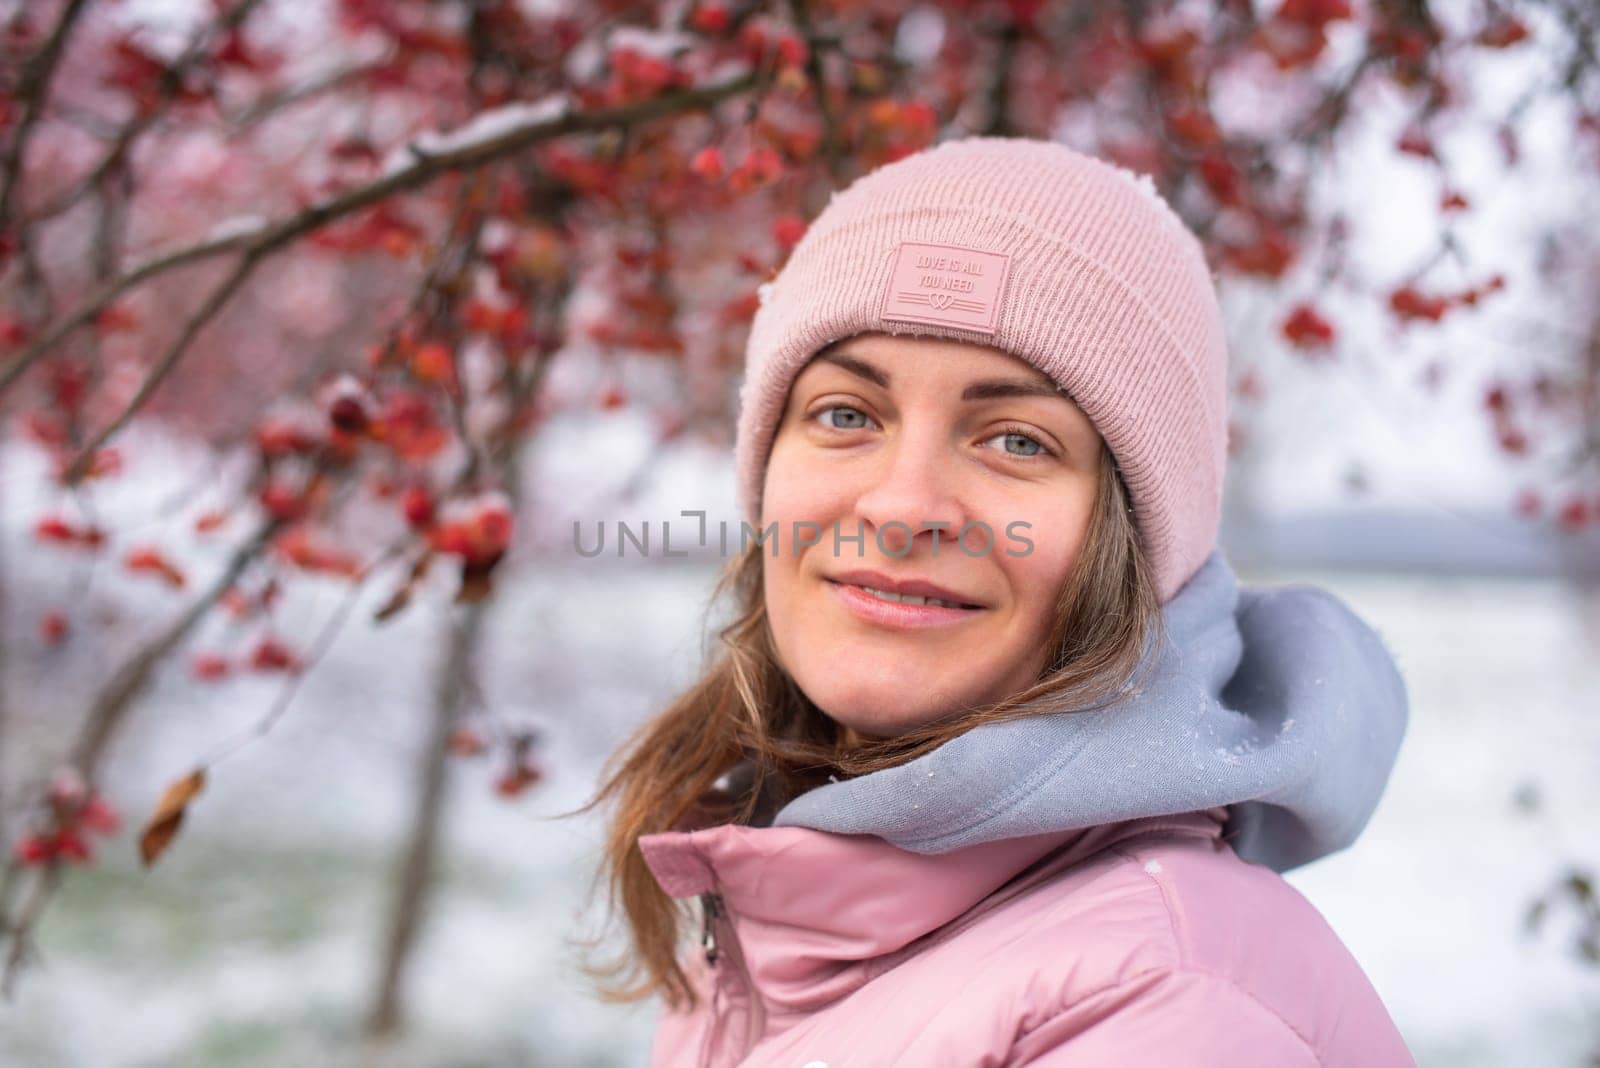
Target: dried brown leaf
point(163, 824)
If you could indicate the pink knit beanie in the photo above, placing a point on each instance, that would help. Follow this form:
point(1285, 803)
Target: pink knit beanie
point(1065, 260)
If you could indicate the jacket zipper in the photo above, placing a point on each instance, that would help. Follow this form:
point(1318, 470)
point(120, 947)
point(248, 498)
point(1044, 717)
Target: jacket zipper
point(720, 944)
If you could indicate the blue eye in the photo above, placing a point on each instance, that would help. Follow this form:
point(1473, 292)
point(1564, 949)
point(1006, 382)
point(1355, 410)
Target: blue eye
point(1017, 437)
point(841, 408)
point(1012, 439)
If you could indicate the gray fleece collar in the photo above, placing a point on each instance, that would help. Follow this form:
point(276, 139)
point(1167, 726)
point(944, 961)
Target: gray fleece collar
point(1280, 703)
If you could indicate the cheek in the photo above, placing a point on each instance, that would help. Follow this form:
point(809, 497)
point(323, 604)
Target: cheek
point(797, 487)
point(789, 495)
point(1057, 530)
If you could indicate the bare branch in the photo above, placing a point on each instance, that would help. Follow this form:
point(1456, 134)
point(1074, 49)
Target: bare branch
point(167, 87)
point(294, 94)
point(263, 240)
point(20, 928)
point(130, 680)
point(318, 649)
point(213, 304)
point(800, 12)
point(1008, 39)
point(105, 716)
point(32, 94)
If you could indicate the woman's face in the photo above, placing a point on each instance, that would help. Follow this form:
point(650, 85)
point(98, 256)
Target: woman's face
point(904, 441)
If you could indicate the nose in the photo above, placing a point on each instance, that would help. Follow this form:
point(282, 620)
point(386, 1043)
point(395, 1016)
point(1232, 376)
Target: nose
point(913, 493)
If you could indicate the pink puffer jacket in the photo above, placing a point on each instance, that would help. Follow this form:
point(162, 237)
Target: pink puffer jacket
point(1144, 942)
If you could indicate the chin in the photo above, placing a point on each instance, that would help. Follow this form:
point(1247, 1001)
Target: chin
point(876, 727)
point(883, 714)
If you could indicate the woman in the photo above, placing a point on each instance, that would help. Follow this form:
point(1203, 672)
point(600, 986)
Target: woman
point(998, 765)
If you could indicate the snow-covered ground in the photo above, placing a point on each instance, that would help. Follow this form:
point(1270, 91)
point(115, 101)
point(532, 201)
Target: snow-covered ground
point(253, 942)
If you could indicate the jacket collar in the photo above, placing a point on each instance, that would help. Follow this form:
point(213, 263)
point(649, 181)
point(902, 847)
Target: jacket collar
point(818, 914)
point(1279, 702)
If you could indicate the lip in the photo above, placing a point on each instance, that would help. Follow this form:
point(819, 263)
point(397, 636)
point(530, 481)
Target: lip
point(907, 587)
point(870, 609)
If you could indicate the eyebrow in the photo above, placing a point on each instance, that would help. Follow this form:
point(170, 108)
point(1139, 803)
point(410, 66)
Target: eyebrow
point(989, 389)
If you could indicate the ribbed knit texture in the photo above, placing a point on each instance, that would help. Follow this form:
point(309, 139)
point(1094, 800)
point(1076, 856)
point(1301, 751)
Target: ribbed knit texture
point(1104, 289)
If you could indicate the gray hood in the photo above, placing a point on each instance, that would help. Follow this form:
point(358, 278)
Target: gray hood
point(1280, 703)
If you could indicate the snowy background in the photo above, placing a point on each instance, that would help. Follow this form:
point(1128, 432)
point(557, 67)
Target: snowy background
point(253, 941)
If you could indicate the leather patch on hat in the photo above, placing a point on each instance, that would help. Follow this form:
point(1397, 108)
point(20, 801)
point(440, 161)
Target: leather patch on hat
point(946, 285)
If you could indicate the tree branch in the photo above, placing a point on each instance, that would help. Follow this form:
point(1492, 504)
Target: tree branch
point(831, 149)
point(131, 678)
point(214, 303)
point(171, 81)
point(262, 240)
point(32, 94)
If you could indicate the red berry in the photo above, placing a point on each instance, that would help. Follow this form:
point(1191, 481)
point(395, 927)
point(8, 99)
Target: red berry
point(209, 666)
point(711, 19)
point(788, 229)
point(1307, 329)
point(513, 781)
point(417, 504)
point(272, 655)
point(348, 414)
point(98, 815)
point(53, 628)
point(707, 163)
point(791, 50)
point(466, 741)
point(34, 848)
point(71, 844)
point(54, 528)
point(281, 502)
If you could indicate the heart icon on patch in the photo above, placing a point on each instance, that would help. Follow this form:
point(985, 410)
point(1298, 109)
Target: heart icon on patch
point(939, 300)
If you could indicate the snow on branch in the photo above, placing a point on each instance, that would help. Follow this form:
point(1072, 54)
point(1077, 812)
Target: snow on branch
point(506, 121)
point(492, 136)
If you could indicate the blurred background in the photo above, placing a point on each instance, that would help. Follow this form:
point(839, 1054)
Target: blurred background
point(323, 322)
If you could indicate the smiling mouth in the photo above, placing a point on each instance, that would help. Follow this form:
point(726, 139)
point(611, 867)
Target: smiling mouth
point(905, 598)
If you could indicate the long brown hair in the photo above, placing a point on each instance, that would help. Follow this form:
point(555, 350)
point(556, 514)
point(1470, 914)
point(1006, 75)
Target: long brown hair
point(746, 711)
